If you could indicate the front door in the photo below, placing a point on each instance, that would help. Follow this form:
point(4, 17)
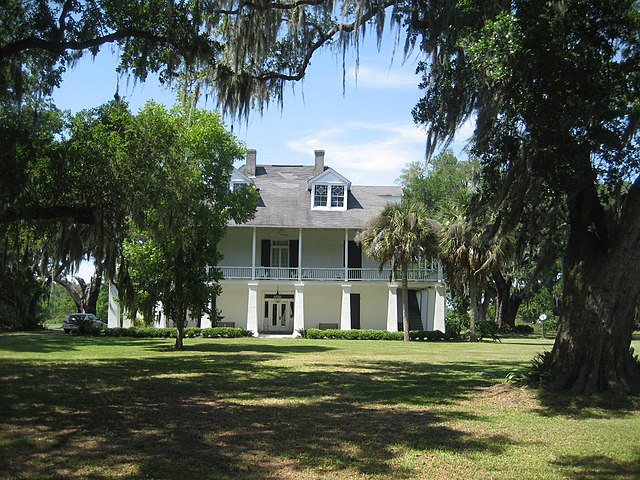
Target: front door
point(278, 314)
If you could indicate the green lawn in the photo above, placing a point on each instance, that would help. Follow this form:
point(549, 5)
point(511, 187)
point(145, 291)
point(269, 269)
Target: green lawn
point(103, 408)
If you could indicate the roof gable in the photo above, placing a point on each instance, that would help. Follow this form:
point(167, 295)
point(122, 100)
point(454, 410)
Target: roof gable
point(329, 176)
point(238, 176)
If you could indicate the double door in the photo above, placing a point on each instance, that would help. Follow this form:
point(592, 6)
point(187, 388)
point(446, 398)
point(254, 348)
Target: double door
point(278, 313)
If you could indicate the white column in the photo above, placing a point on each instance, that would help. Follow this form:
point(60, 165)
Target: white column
point(424, 305)
point(162, 319)
point(253, 255)
point(345, 311)
point(440, 309)
point(205, 321)
point(298, 309)
point(436, 308)
point(300, 255)
point(346, 254)
point(113, 316)
point(392, 308)
point(252, 308)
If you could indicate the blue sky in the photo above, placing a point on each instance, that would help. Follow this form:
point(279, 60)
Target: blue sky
point(367, 132)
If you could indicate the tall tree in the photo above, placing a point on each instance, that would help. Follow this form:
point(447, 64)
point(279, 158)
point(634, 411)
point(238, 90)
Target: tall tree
point(171, 253)
point(441, 183)
point(537, 74)
point(400, 234)
point(468, 262)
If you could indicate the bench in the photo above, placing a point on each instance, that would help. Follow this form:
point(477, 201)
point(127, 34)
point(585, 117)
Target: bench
point(328, 326)
point(226, 324)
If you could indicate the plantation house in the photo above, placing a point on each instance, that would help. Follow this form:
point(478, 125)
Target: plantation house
point(296, 264)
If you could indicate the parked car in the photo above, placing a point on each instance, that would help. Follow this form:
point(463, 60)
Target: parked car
point(76, 322)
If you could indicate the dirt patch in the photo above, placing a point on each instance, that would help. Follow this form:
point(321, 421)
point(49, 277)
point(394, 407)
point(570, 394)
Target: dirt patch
point(506, 394)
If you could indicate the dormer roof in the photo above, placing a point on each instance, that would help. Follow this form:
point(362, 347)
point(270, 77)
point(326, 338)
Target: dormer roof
point(238, 176)
point(329, 175)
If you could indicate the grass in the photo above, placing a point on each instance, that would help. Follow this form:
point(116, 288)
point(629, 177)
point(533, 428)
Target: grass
point(103, 408)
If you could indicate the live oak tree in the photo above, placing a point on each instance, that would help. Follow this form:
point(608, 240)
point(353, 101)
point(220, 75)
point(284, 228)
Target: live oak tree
point(554, 86)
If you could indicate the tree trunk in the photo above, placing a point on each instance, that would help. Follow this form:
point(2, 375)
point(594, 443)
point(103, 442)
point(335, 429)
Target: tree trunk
point(507, 302)
point(181, 314)
point(180, 335)
point(474, 310)
point(601, 290)
point(92, 291)
point(405, 301)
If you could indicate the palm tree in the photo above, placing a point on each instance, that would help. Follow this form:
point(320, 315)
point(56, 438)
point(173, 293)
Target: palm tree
point(468, 261)
point(401, 233)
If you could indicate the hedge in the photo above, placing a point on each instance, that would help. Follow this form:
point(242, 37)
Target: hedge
point(315, 333)
point(189, 332)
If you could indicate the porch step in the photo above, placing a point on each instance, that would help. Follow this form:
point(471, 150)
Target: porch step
point(274, 335)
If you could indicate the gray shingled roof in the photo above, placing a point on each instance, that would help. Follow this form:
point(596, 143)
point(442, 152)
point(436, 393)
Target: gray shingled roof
point(286, 200)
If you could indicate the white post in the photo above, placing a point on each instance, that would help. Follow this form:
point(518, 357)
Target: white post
point(440, 310)
point(424, 305)
point(298, 309)
point(346, 255)
point(345, 311)
point(300, 255)
point(252, 308)
point(205, 321)
point(253, 255)
point(162, 319)
point(392, 308)
point(113, 316)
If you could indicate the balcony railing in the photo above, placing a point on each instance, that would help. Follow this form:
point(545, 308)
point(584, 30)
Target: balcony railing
point(326, 274)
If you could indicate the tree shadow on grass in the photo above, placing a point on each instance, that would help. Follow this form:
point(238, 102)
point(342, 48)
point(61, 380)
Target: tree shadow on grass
point(598, 467)
point(585, 407)
point(228, 416)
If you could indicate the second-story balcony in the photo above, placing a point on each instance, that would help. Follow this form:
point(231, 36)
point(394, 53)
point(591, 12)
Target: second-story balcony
point(432, 274)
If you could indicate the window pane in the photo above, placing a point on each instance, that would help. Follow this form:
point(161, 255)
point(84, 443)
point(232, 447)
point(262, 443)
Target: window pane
point(320, 196)
point(337, 196)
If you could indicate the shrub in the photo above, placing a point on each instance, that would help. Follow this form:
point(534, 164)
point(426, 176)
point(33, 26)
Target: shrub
point(550, 325)
point(85, 326)
point(302, 332)
point(425, 335)
point(455, 324)
point(147, 332)
point(506, 328)
point(523, 329)
point(486, 329)
point(225, 332)
point(535, 374)
point(315, 333)
point(191, 332)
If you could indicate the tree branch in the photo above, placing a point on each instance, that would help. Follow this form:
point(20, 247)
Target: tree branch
point(324, 38)
point(85, 215)
point(60, 47)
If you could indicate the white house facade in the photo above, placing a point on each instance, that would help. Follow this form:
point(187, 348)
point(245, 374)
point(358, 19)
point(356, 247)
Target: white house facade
point(296, 265)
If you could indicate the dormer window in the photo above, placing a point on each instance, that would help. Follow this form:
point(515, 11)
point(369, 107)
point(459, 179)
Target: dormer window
point(337, 196)
point(236, 185)
point(320, 195)
point(327, 197)
point(329, 191)
point(238, 180)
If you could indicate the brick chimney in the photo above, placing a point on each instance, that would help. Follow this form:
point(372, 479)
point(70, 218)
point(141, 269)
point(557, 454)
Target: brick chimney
point(319, 162)
point(250, 162)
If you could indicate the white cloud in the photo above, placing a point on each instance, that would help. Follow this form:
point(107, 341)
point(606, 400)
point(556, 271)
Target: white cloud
point(370, 77)
point(367, 153)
